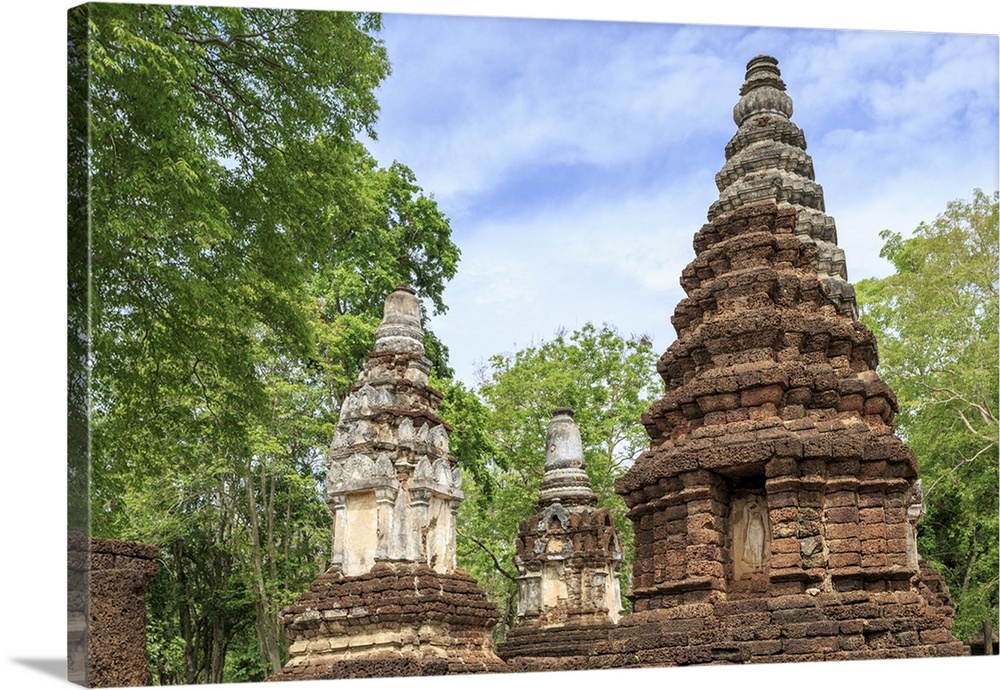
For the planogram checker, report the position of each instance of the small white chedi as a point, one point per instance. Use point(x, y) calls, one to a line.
point(393, 602)
point(392, 485)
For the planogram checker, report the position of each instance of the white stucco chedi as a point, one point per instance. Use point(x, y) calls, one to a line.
point(392, 485)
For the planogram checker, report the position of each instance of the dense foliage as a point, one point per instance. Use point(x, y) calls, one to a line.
point(241, 241)
point(936, 323)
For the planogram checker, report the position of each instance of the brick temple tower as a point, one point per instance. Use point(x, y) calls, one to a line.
point(775, 510)
point(568, 555)
point(393, 602)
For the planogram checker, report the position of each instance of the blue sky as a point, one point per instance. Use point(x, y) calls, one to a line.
point(576, 158)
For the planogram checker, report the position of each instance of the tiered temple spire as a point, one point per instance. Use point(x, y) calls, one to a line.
point(393, 603)
point(392, 484)
point(568, 553)
point(766, 160)
point(774, 482)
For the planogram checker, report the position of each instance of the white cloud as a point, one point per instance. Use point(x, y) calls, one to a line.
point(561, 93)
point(593, 261)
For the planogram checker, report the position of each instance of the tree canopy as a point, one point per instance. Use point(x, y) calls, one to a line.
point(935, 319)
point(239, 240)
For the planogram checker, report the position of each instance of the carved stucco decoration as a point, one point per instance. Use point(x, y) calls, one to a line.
point(392, 484)
point(750, 535)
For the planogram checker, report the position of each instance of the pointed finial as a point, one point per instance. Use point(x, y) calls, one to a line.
point(766, 160)
point(763, 91)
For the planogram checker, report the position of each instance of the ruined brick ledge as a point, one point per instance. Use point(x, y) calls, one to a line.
point(829, 626)
point(399, 619)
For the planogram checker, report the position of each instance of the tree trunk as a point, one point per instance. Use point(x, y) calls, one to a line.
point(184, 612)
point(267, 637)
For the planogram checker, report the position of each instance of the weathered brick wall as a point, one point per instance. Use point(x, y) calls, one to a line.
point(569, 647)
point(107, 611)
point(400, 619)
point(828, 626)
point(77, 583)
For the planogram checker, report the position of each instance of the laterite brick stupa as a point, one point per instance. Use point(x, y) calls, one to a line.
point(393, 602)
point(775, 511)
point(569, 558)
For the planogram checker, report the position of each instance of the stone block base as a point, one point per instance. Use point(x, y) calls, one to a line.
point(398, 619)
point(829, 626)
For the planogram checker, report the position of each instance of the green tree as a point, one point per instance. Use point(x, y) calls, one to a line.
point(936, 321)
point(609, 381)
point(216, 141)
point(240, 241)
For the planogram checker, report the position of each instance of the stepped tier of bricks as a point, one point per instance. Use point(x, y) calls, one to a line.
point(568, 555)
point(106, 584)
point(393, 602)
point(827, 626)
point(399, 619)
